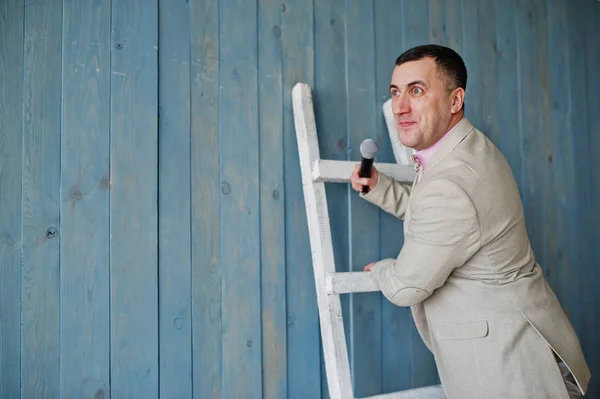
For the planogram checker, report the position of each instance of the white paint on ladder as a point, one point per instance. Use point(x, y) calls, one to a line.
point(339, 171)
point(330, 310)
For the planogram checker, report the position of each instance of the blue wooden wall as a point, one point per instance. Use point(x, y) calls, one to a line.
point(153, 239)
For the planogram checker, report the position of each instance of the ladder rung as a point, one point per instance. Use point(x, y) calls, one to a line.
point(340, 171)
point(349, 282)
point(431, 392)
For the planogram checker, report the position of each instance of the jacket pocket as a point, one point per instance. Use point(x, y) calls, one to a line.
point(462, 330)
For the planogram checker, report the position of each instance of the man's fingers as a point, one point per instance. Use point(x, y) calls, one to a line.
point(368, 267)
point(359, 182)
point(355, 178)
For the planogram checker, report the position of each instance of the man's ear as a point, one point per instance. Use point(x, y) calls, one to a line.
point(458, 99)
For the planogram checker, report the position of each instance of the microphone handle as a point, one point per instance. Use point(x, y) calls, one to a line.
point(365, 171)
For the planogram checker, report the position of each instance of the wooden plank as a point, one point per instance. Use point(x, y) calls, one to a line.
point(453, 25)
point(272, 201)
point(542, 144)
point(362, 113)
point(40, 354)
point(573, 145)
point(437, 27)
point(303, 345)
point(415, 23)
point(133, 200)
point(174, 230)
point(349, 282)
point(11, 128)
point(315, 199)
point(533, 103)
point(559, 157)
point(470, 53)
point(330, 108)
point(240, 208)
point(340, 171)
point(396, 321)
point(509, 82)
point(487, 53)
point(84, 206)
point(589, 217)
point(205, 201)
point(415, 26)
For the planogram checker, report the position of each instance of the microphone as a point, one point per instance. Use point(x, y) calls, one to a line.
point(368, 150)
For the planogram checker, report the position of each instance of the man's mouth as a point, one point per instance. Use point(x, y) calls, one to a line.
point(404, 124)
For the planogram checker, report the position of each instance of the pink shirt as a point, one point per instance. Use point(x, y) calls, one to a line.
point(423, 156)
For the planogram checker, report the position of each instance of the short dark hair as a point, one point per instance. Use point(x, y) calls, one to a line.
point(449, 63)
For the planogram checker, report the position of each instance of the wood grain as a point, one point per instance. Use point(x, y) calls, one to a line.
point(272, 201)
point(437, 27)
point(533, 77)
point(303, 344)
point(488, 68)
point(84, 203)
point(564, 50)
point(578, 157)
point(363, 221)
point(133, 200)
point(470, 53)
point(174, 196)
point(508, 130)
point(330, 108)
point(205, 203)
point(11, 128)
point(240, 208)
point(453, 25)
point(40, 354)
point(588, 182)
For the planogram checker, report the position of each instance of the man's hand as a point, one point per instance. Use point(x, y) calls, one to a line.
point(369, 266)
point(358, 182)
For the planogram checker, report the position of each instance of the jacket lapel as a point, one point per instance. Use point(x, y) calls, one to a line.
point(455, 136)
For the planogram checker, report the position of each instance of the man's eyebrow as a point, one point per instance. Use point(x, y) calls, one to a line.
point(417, 82)
point(413, 83)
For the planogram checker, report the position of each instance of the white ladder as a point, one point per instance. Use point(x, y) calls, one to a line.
point(330, 284)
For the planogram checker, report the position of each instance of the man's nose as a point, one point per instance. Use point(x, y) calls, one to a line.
point(400, 105)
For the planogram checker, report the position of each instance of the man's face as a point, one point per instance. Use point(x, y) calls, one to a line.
point(423, 108)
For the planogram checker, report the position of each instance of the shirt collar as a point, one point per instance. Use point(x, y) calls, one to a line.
point(422, 157)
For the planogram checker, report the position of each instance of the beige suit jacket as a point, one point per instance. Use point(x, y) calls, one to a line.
point(477, 295)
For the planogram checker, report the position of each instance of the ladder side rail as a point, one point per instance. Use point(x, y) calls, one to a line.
point(330, 311)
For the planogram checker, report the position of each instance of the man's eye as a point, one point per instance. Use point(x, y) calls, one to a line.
point(395, 92)
point(417, 90)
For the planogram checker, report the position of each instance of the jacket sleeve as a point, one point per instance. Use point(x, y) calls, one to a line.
point(390, 195)
point(442, 234)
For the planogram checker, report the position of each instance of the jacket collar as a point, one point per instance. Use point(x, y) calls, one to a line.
point(451, 140)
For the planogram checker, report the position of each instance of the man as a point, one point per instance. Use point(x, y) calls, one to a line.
point(477, 295)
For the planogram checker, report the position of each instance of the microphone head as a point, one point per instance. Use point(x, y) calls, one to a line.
point(369, 148)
